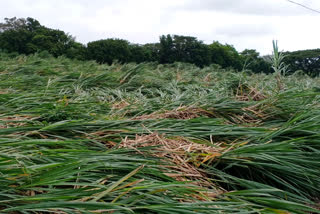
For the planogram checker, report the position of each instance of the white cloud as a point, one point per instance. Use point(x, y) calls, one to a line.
point(253, 7)
point(244, 23)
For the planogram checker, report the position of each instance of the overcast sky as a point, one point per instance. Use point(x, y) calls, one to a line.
point(249, 24)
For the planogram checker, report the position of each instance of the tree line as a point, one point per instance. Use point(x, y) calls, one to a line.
point(28, 36)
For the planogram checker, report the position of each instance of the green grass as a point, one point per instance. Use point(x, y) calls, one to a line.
point(63, 124)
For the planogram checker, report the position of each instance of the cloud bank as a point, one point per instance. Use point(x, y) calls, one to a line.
point(244, 23)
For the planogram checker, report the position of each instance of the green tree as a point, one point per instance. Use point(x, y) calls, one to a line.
point(76, 51)
point(183, 49)
point(306, 60)
point(225, 55)
point(56, 42)
point(108, 50)
point(189, 49)
point(13, 24)
point(138, 53)
point(27, 36)
point(16, 41)
point(152, 52)
point(252, 61)
point(166, 52)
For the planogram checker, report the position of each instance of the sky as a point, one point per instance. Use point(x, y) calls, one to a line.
point(245, 24)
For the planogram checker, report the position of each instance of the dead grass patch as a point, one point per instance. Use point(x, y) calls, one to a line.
point(317, 203)
point(183, 113)
point(120, 105)
point(208, 78)
point(251, 115)
point(247, 93)
point(15, 120)
point(184, 157)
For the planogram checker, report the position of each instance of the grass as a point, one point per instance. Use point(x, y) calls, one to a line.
point(78, 137)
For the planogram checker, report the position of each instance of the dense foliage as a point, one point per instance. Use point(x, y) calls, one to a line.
point(109, 50)
point(28, 36)
point(307, 61)
point(254, 62)
point(82, 137)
